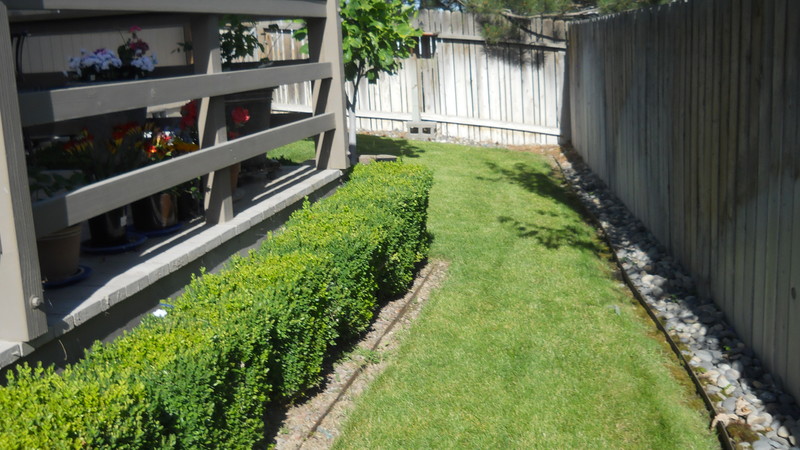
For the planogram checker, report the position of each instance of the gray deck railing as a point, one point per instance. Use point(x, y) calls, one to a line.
point(21, 318)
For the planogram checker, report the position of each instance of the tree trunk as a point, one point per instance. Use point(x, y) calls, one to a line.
point(351, 132)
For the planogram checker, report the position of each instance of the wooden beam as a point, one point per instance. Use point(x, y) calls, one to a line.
point(64, 104)
point(556, 46)
point(325, 45)
point(428, 117)
point(31, 22)
point(274, 8)
point(58, 212)
point(20, 279)
point(211, 122)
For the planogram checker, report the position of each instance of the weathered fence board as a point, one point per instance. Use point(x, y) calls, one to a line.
point(689, 111)
point(467, 87)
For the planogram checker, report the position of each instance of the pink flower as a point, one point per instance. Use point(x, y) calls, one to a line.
point(135, 29)
point(240, 116)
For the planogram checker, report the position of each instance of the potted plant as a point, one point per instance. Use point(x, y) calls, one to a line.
point(238, 40)
point(103, 64)
point(100, 159)
point(159, 211)
point(51, 172)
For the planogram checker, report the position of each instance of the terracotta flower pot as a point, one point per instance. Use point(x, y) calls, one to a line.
point(59, 254)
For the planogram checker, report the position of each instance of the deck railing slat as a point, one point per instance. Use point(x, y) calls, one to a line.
point(59, 212)
point(42, 107)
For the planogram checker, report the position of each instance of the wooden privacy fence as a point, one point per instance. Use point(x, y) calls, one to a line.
point(509, 93)
point(689, 112)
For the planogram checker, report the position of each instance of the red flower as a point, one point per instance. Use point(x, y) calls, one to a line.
point(240, 116)
point(188, 114)
point(139, 45)
point(135, 29)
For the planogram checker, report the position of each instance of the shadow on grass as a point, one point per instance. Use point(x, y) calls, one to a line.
point(547, 185)
point(377, 145)
point(554, 238)
point(533, 180)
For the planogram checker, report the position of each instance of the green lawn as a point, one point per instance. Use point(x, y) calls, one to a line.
point(530, 342)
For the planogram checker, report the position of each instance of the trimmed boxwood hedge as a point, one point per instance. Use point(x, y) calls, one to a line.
point(257, 331)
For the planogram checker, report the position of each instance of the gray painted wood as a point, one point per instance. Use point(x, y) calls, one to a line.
point(274, 8)
point(64, 104)
point(19, 266)
point(74, 207)
point(689, 112)
point(211, 118)
point(325, 45)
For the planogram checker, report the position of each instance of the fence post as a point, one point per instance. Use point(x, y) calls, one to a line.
point(325, 45)
point(20, 280)
point(565, 121)
point(211, 116)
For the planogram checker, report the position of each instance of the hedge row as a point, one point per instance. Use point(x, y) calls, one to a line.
point(256, 331)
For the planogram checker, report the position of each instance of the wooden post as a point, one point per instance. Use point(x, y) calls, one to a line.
point(211, 116)
point(20, 280)
point(325, 45)
point(415, 91)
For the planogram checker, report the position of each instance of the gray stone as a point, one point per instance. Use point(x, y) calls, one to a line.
point(656, 292)
point(762, 444)
point(729, 404)
point(658, 280)
point(763, 419)
point(778, 442)
point(723, 382)
point(783, 431)
point(704, 355)
point(771, 434)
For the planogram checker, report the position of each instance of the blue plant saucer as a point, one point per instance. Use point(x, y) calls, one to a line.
point(157, 233)
point(83, 273)
point(134, 240)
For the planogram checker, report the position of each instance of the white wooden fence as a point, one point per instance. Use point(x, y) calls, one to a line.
point(505, 94)
point(689, 112)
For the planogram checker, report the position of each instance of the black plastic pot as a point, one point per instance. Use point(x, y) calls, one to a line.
point(155, 212)
point(109, 229)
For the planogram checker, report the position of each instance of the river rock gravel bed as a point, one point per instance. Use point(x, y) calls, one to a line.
point(743, 393)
